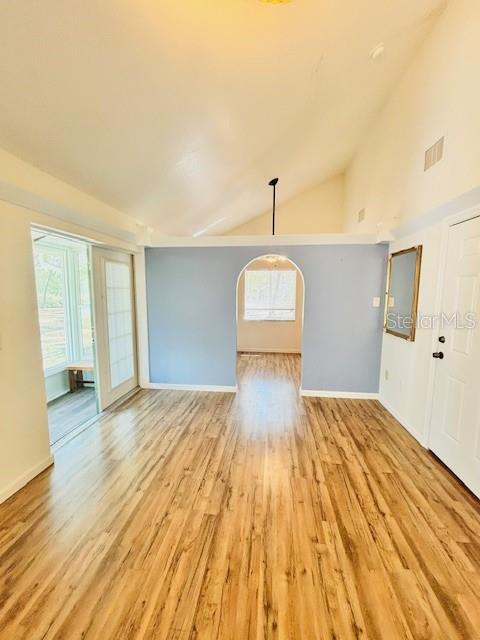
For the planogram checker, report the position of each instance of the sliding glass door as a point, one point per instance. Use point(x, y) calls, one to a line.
point(115, 323)
point(62, 272)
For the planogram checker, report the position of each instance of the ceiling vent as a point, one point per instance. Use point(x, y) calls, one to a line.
point(361, 216)
point(434, 154)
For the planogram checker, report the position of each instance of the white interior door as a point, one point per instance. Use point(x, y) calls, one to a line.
point(115, 324)
point(455, 427)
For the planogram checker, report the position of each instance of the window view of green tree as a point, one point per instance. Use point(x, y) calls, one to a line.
point(50, 266)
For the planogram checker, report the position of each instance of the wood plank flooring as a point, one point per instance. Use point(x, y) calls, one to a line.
point(70, 411)
point(184, 515)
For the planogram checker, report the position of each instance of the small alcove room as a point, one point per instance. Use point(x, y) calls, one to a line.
point(240, 320)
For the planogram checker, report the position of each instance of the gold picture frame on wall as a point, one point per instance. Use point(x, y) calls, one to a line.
point(403, 285)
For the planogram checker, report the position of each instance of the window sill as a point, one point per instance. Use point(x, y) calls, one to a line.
point(269, 321)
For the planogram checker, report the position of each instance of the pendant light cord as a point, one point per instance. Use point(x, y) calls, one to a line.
point(273, 183)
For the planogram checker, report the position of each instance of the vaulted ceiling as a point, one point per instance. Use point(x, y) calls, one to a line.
point(179, 113)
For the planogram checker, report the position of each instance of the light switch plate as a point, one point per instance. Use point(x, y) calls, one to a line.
point(376, 302)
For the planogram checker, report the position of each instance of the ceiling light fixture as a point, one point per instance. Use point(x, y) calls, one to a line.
point(273, 259)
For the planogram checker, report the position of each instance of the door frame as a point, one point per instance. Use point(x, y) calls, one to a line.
point(68, 246)
point(446, 224)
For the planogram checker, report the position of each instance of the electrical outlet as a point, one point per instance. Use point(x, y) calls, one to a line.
point(387, 374)
point(376, 302)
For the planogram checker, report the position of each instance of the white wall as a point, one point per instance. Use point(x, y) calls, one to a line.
point(439, 95)
point(24, 442)
point(406, 393)
point(316, 210)
point(27, 186)
point(56, 385)
point(273, 337)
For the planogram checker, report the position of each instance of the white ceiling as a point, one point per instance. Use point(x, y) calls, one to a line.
point(179, 113)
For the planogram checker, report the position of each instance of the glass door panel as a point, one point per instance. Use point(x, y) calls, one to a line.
point(114, 313)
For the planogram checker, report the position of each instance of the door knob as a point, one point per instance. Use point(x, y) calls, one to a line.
point(439, 355)
point(442, 339)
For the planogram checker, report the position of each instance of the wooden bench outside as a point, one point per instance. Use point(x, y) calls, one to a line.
point(75, 374)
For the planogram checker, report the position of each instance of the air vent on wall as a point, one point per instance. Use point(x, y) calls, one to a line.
point(434, 154)
point(361, 215)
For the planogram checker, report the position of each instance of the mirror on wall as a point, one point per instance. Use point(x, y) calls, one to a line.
point(402, 293)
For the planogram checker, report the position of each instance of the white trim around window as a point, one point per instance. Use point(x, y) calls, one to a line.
point(71, 251)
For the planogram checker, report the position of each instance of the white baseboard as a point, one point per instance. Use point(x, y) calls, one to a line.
point(352, 395)
point(163, 386)
point(296, 351)
point(24, 479)
point(405, 424)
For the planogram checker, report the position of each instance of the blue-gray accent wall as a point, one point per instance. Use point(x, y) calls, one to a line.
point(191, 300)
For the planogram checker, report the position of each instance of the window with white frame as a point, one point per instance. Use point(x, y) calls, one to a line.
point(51, 275)
point(84, 307)
point(270, 294)
point(64, 306)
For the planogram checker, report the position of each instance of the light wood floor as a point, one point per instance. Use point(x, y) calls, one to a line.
point(70, 411)
point(188, 515)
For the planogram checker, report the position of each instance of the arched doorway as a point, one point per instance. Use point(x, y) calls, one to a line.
point(270, 311)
